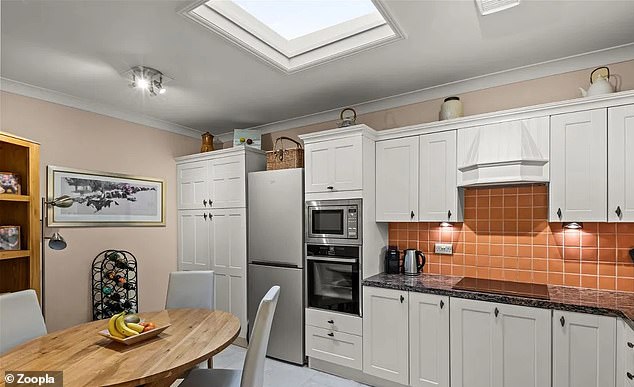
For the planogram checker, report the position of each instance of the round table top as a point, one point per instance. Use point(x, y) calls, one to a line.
point(88, 359)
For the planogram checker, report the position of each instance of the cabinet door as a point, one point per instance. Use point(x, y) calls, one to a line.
point(397, 180)
point(624, 355)
point(385, 334)
point(334, 165)
point(227, 186)
point(472, 343)
point(621, 164)
point(229, 260)
point(193, 240)
point(429, 340)
point(584, 348)
point(192, 185)
point(578, 164)
point(438, 191)
point(522, 339)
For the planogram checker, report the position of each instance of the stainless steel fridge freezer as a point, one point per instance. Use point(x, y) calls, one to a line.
point(275, 256)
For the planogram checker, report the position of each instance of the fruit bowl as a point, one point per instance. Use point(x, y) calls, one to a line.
point(137, 338)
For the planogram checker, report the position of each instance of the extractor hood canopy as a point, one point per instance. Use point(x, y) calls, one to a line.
point(511, 152)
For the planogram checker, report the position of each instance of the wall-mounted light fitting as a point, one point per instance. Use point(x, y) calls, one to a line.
point(446, 224)
point(573, 225)
point(147, 78)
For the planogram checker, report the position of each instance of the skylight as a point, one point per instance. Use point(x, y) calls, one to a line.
point(296, 34)
point(293, 19)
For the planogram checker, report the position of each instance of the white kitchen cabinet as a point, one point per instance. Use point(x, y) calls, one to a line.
point(193, 240)
point(397, 180)
point(193, 185)
point(227, 182)
point(584, 348)
point(522, 342)
point(429, 340)
point(385, 334)
point(227, 236)
point(334, 165)
point(499, 345)
point(340, 348)
point(438, 192)
point(624, 355)
point(578, 164)
point(621, 164)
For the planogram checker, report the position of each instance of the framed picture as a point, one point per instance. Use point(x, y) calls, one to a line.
point(9, 237)
point(248, 137)
point(103, 199)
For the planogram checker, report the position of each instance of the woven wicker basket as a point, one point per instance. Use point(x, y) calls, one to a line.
point(285, 158)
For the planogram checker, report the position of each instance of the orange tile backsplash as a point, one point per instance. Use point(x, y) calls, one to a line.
point(506, 235)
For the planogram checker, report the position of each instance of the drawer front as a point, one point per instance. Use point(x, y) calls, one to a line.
point(336, 322)
point(335, 347)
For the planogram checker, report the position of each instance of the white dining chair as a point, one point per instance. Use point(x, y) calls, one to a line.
point(190, 289)
point(252, 374)
point(21, 319)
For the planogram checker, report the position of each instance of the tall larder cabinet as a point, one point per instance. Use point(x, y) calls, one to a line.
point(212, 225)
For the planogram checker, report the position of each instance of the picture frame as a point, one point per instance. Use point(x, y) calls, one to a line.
point(10, 238)
point(104, 199)
point(247, 137)
point(10, 183)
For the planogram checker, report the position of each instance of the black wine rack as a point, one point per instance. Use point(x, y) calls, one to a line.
point(114, 284)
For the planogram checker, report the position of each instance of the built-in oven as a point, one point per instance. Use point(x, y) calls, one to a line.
point(333, 222)
point(333, 278)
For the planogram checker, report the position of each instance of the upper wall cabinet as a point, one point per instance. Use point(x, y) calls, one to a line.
point(578, 179)
point(397, 180)
point(438, 196)
point(504, 153)
point(193, 185)
point(334, 165)
point(621, 164)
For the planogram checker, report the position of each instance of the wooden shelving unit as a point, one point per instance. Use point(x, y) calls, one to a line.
point(20, 269)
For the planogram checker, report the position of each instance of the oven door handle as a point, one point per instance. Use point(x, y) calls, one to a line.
point(326, 258)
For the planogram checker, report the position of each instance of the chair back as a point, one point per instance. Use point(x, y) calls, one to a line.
point(253, 370)
point(21, 319)
point(190, 289)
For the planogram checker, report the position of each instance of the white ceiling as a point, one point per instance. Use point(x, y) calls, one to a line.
point(80, 48)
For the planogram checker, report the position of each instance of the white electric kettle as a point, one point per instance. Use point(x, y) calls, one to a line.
point(599, 84)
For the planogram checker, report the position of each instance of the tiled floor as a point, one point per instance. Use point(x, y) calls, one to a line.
point(280, 374)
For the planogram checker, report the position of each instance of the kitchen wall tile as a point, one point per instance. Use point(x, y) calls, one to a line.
point(506, 235)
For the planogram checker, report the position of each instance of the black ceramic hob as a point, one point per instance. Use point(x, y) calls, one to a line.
point(510, 288)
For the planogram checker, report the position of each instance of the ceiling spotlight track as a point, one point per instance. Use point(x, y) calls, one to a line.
point(147, 78)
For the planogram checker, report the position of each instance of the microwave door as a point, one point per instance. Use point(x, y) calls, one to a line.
point(327, 222)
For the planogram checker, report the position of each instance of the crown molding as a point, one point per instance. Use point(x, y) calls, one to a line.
point(27, 90)
point(553, 67)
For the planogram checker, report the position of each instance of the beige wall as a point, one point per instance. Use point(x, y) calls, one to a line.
point(542, 90)
point(74, 138)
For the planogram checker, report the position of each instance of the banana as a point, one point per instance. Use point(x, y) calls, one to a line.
point(135, 327)
point(112, 327)
point(122, 328)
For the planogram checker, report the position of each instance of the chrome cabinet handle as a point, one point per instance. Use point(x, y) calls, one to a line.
point(331, 321)
point(331, 334)
point(562, 320)
point(497, 311)
point(442, 304)
point(204, 203)
point(559, 213)
point(402, 299)
point(618, 211)
point(205, 216)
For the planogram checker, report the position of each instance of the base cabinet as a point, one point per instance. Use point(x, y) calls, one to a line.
point(497, 345)
point(584, 349)
point(428, 340)
point(385, 334)
point(624, 355)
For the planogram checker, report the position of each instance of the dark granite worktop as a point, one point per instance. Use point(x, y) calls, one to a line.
point(619, 304)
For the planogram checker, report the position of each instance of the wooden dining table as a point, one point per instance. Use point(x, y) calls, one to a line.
point(88, 359)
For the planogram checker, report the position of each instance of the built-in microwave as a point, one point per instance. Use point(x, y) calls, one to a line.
point(334, 221)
